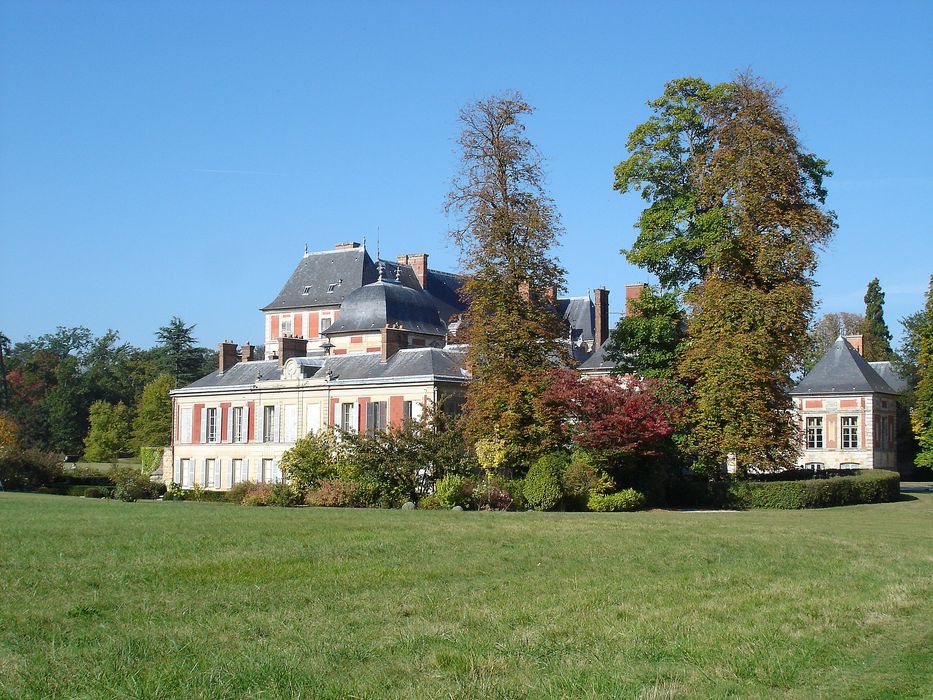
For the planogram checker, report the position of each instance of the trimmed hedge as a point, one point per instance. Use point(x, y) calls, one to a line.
point(868, 486)
point(621, 501)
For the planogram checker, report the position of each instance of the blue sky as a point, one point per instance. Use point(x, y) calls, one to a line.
point(173, 158)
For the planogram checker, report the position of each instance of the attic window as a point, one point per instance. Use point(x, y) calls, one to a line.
point(306, 291)
point(331, 288)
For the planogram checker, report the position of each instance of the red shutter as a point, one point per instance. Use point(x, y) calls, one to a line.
point(297, 328)
point(224, 410)
point(333, 412)
point(363, 403)
point(395, 410)
point(313, 325)
point(196, 423)
point(275, 326)
point(251, 423)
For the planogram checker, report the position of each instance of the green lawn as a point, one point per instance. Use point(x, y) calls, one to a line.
point(157, 600)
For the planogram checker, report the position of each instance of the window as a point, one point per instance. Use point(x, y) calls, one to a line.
point(236, 470)
point(325, 322)
point(187, 474)
point(375, 416)
point(285, 325)
point(815, 433)
point(210, 472)
point(406, 410)
point(306, 291)
point(268, 423)
point(237, 420)
point(814, 466)
point(331, 288)
point(849, 432)
point(346, 416)
point(265, 474)
point(212, 425)
point(185, 425)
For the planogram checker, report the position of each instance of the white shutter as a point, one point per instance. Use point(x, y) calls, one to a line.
point(291, 423)
point(176, 472)
point(277, 418)
point(232, 472)
point(186, 425)
point(244, 475)
point(260, 417)
point(229, 423)
point(244, 424)
point(312, 418)
point(203, 437)
point(276, 472)
point(217, 472)
point(416, 410)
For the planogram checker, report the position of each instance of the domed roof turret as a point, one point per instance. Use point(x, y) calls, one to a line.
point(387, 303)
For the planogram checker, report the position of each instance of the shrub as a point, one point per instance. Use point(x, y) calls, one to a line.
point(868, 486)
point(257, 495)
point(150, 458)
point(236, 492)
point(492, 493)
point(174, 492)
point(516, 488)
point(335, 493)
point(429, 502)
point(625, 500)
point(22, 470)
point(542, 486)
point(283, 495)
point(97, 492)
point(454, 490)
point(130, 484)
point(580, 479)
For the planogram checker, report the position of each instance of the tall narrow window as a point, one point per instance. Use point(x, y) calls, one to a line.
point(285, 325)
point(815, 433)
point(346, 416)
point(187, 474)
point(406, 410)
point(849, 432)
point(212, 425)
point(237, 421)
point(268, 423)
point(265, 474)
point(325, 322)
point(236, 469)
point(375, 416)
point(210, 469)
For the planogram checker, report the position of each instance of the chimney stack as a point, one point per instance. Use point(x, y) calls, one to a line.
point(601, 304)
point(349, 245)
point(856, 342)
point(393, 340)
point(226, 355)
point(247, 352)
point(289, 347)
point(632, 292)
point(419, 265)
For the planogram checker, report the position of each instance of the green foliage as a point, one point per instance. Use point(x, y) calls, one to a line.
point(542, 487)
point(23, 470)
point(429, 502)
point(150, 458)
point(236, 492)
point(177, 354)
point(869, 486)
point(494, 493)
point(313, 459)
point(109, 435)
point(626, 500)
point(876, 338)
point(454, 490)
point(130, 484)
point(648, 340)
point(153, 423)
point(825, 331)
point(581, 479)
point(337, 493)
point(174, 492)
point(921, 419)
point(507, 230)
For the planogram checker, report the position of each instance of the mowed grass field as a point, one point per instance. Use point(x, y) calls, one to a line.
point(190, 600)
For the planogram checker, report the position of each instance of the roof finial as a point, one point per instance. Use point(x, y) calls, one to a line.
point(398, 273)
point(306, 249)
point(378, 245)
point(380, 266)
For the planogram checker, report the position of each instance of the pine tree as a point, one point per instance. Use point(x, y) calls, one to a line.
point(876, 338)
point(507, 230)
point(179, 356)
point(922, 412)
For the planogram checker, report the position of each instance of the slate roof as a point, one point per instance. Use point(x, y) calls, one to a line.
point(580, 313)
point(410, 362)
point(346, 270)
point(387, 303)
point(241, 374)
point(598, 362)
point(842, 371)
point(889, 374)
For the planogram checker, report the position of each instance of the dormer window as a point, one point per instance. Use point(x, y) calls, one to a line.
point(331, 288)
point(306, 291)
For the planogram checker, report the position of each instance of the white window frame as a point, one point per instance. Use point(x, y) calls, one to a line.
point(210, 471)
point(285, 325)
point(348, 410)
point(265, 470)
point(210, 414)
point(236, 469)
point(268, 423)
point(849, 428)
point(814, 434)
point(187, 473)
point(324, 322)
point(236, 424)
point(186, 414)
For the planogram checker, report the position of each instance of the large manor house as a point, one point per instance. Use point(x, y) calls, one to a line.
point(361, 345)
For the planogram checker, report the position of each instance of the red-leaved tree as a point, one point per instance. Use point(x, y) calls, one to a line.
point(612, 417)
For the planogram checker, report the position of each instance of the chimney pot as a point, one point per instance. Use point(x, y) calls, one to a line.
point(856, 342)
point(601, 311)
point(226, 356)
point(349, 245)
point(290, 347)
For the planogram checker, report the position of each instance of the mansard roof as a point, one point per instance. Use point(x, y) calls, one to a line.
point(842, 370)
point(580, 313)
point(447, 363)
point(374, 306)
point(598, 362)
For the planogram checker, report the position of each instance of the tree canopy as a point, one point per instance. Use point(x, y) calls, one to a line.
point(876, 338)
point(922, 412)
point(507, 228)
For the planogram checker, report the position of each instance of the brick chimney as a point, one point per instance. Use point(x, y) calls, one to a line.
point(393, 340)
point(856, 342)
point(247, 353)
point(632, 292)
point(289, 347)
point(226, 355)
point(601, 302)
point(419, 265)
point(349, 245)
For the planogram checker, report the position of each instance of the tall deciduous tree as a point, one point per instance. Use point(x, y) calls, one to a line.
point(152, 426)
point(648, 340)
point(109, 434)
point(735, 215)
point(922, 411)
point(507, 230)
point(876, 338)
